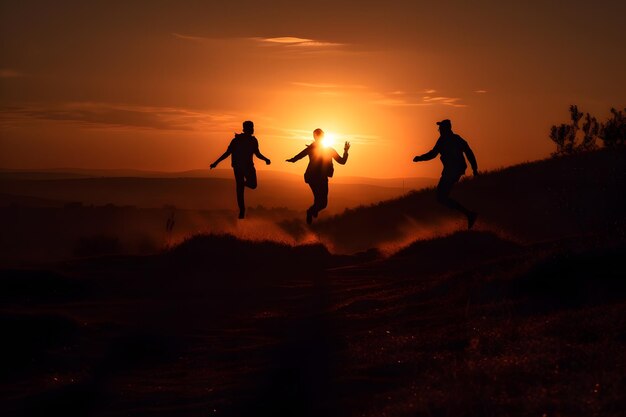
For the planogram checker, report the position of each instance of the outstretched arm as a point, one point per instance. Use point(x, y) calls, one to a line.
point(471, 158)
point(342, 159)
point(428, 155)
point(261, 157)
point(221, 158)
point(301, 155)
point(258, 153)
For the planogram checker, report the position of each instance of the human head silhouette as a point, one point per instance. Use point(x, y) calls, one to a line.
point(445, 126)
point(248, 127)
point(318, 134)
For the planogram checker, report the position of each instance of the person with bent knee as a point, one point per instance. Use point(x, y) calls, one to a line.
point(453, 150)
point(241, 150)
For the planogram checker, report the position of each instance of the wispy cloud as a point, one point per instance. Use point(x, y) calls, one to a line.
point(395, 98)
point(403, 98)
point(480, 91)
point(120, 116)
point(295, 41)
point(447, 101)
point(190, 37)
point(287, 40)
point(281, 41)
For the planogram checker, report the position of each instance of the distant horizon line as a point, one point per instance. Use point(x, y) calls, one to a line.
point(70, 170)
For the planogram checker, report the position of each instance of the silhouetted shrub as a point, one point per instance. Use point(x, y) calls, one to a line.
point(613, 132)
point(565, 136)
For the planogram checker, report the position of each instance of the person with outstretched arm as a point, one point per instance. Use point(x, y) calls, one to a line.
point(318, 171)
point(241, 150)
point(453, 150)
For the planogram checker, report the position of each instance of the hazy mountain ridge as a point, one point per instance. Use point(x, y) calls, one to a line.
point(68, 173)
point(194, 189)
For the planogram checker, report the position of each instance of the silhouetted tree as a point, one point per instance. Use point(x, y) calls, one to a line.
point(591, 128)
point(565, 136)
point(613, 132)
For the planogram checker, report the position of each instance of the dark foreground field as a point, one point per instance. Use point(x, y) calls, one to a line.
point(502, 329)
point(482, 323)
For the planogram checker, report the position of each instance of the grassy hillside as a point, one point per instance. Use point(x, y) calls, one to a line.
point(578, 195)
point(466, 325)
point(525, 317)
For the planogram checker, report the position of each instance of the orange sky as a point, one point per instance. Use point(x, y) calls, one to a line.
point(162, 85)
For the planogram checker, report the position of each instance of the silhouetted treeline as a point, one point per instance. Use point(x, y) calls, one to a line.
point(568, 139)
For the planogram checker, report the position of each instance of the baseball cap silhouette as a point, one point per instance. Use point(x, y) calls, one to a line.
point(445, 123)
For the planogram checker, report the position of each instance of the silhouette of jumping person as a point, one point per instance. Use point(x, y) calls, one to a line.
point(318, 171)
point(451, 147)
point(241, 150)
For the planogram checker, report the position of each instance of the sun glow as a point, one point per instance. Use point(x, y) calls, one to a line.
point(329, 140)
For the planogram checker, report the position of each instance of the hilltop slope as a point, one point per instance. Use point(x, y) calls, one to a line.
point(548, 199)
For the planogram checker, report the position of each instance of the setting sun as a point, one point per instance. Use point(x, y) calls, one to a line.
point(329, 140)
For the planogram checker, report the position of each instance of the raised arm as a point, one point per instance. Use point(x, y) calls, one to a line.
point(428, 155)
point(301, 155)
point(221, 158)
point(471, 158)
point(342, 159)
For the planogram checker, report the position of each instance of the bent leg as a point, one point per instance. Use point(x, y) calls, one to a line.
point(444, 188)
point(312, 209)
point(321, 197)
point(251, 178)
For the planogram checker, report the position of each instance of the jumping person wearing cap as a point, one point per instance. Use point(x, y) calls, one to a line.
point(241, 150)
point(318, 171)
point(451, 147)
